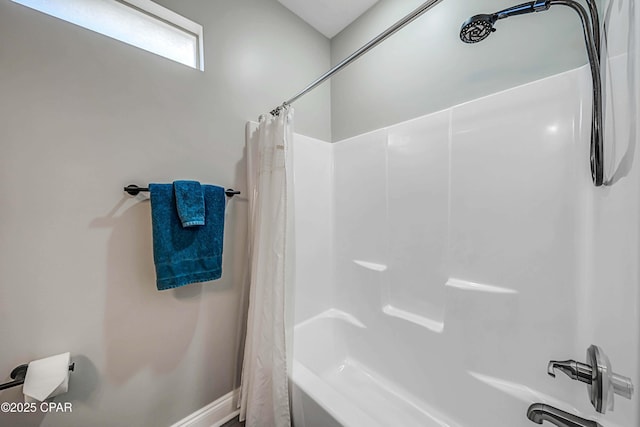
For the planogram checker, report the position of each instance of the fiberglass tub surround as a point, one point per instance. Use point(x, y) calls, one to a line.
point(457, 267)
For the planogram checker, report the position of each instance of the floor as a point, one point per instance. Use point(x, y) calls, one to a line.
point(234, 423)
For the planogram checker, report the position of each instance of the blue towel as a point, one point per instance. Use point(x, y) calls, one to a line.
point(186, 255)
point(189, 202)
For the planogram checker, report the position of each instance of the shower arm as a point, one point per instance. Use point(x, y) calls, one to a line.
point(593, 52)
point(525, 8)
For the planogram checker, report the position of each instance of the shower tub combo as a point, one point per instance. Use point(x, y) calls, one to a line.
point(445, 261)
point(450, 265)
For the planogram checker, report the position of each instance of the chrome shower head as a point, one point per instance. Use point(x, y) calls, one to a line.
point(479, 27)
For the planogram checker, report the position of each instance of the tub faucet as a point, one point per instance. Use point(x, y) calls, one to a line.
point(539, 412)
point(601, 381)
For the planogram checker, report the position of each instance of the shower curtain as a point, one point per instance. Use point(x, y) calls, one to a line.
point(264, 400)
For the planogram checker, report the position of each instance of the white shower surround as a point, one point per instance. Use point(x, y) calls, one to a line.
point(442, 262)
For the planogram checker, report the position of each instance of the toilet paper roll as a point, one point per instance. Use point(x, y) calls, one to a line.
point(47, 378)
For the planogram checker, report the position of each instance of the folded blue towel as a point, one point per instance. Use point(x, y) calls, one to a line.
point(186, 255)
point(189, 202)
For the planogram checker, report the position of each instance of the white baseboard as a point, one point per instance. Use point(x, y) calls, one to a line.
point(214, 414)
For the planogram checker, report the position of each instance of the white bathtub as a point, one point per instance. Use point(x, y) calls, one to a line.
point(337, 389)
point(333, 385)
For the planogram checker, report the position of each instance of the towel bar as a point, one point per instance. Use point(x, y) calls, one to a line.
point(134, 190)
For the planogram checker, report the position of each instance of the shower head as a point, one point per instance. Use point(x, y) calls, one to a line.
point(479, 27)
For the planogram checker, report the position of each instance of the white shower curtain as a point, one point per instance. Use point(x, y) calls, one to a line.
point(264, 398)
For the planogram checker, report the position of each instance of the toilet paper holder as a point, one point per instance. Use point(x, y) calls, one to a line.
point(19, 373)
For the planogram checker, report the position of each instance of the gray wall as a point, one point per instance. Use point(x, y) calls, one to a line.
point(425, 68)
point(81, 116)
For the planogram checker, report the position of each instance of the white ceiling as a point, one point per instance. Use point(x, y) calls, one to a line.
point(328, 16)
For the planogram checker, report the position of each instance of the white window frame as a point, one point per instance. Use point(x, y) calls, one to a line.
point(151, 10)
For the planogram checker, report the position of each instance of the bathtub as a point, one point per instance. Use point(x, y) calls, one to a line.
point(335, 384)
point(336, 389)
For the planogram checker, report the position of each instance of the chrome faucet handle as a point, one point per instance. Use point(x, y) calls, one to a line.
point(602, 382)
point(574, 370)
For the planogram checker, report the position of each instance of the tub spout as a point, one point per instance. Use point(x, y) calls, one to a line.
point(539, 412)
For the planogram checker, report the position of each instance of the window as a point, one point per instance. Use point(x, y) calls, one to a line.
point(140, 23)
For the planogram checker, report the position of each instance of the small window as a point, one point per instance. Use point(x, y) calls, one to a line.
point(140, 23)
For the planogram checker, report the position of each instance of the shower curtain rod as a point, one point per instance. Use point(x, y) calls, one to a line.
point(357, 54)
